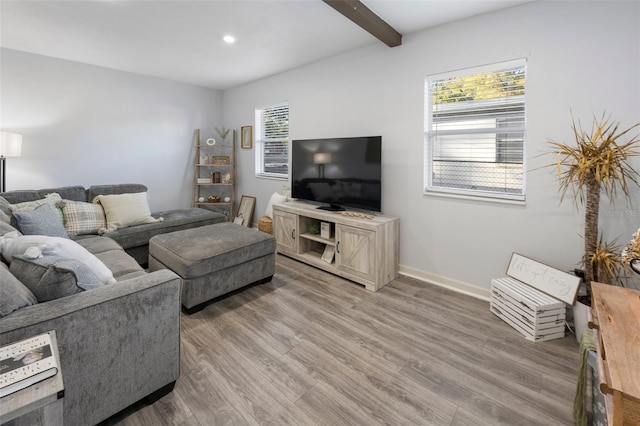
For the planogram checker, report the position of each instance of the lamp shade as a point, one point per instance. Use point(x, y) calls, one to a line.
point(321, 158)
point(10, 144)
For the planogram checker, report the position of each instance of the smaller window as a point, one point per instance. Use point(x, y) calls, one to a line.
point(272, 141)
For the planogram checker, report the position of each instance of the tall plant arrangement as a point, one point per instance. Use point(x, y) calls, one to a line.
point(598, 162)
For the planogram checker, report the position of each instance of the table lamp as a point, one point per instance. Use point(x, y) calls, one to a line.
point(10, 146)
point(321, 158)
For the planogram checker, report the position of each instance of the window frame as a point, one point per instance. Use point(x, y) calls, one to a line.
point(429, 187)
point(261, 142)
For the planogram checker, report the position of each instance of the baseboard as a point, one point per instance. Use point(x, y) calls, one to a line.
point(451, 284)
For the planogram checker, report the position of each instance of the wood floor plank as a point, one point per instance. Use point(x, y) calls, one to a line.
point(310, 348)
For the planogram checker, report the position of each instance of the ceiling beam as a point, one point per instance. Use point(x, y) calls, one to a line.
point(369, 21)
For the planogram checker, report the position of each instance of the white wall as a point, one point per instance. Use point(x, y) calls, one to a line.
point(581, 55)
point(86, 125)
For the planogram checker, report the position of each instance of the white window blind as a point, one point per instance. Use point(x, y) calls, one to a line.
point(475, 131)
point(272, 142)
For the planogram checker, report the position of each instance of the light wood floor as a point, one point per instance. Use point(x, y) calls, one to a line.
point(312, 349)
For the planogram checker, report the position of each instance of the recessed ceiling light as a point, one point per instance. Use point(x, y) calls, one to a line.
point(229, 39)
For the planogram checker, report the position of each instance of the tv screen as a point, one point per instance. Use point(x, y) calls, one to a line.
point(339, 173)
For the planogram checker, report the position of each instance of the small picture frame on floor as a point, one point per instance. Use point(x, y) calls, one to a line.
point(245, 210)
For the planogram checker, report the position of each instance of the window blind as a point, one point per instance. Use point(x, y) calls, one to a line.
point(273, 140)
point(474, 132)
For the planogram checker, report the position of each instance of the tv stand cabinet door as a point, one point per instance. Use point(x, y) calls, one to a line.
point(284, 229)
point(355, 252)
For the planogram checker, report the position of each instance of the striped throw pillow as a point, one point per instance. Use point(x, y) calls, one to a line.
point(82, 218)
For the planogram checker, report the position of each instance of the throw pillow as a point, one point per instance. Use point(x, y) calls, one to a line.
point(51, 199)
point(82, 218)
point(5, 210)
point(5, 228)
point(13, 294)
point(123, 210)
point(40, 221)
point(15, 244)
point(52, 277)
point(35, 246)
point(275, 199)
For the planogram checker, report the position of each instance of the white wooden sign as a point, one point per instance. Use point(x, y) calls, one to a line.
point(556, 283)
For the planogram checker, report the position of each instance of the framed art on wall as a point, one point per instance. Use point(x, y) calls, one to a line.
point(246, 141)
point(245, 210)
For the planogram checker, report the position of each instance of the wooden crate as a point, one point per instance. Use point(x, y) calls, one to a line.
point(536, 315)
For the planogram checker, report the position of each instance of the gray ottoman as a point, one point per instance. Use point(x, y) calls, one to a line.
point(214, 260)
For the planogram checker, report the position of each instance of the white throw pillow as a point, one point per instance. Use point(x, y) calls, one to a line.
point(123, 210)
point(34, 246)
point(275, 199)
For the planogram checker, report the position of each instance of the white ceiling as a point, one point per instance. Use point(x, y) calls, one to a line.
point(181, 40)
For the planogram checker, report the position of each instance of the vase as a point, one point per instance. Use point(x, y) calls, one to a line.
point(580, 318)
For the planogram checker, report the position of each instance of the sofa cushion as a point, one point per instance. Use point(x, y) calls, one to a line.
point(40, 221)
point(76, 193)
point(13, 294)
point(124, 210)
point(113, 256)
point(50, 199)
point(124, 188)
point(52, 277)
point(174, 220)
point(82, 218)
point(95, 244)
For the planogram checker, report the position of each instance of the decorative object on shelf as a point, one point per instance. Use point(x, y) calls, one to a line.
point(222, 133)
point(246, 133)
point(226, 179)
point(201, 200)
point(220, 160)
point(227, 199)
point(598, 162)
point(245, 210)
point(211, 141)
point(314, 228)
point(10, 146)
point(325, 230)
point(201, 180)
point(215, 177)
point(355, 214)
point(213, 199)
point(204, 159)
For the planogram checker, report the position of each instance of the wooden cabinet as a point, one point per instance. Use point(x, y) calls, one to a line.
point(284, 229)
point(616, 323)
point(214, 175)
point(357, 248)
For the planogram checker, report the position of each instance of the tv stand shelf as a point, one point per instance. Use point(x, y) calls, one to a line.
point(361, 249)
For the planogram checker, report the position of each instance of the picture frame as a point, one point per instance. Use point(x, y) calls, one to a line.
point(245, 210)
point(246, 139)
point(328, 254)
point(220, 160)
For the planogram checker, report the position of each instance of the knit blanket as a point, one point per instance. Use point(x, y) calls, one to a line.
point(580, 402)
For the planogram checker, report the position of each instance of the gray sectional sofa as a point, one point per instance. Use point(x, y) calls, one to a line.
point(118, 343)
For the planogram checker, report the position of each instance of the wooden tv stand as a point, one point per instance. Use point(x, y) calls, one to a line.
point(365, 250)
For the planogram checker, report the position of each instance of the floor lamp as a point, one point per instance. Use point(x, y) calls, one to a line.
point(10, 146)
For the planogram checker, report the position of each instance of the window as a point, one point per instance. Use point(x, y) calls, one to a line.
point(474, 132)
point(272, 141)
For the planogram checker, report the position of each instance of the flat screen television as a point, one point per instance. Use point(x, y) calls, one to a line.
point(339, 173)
